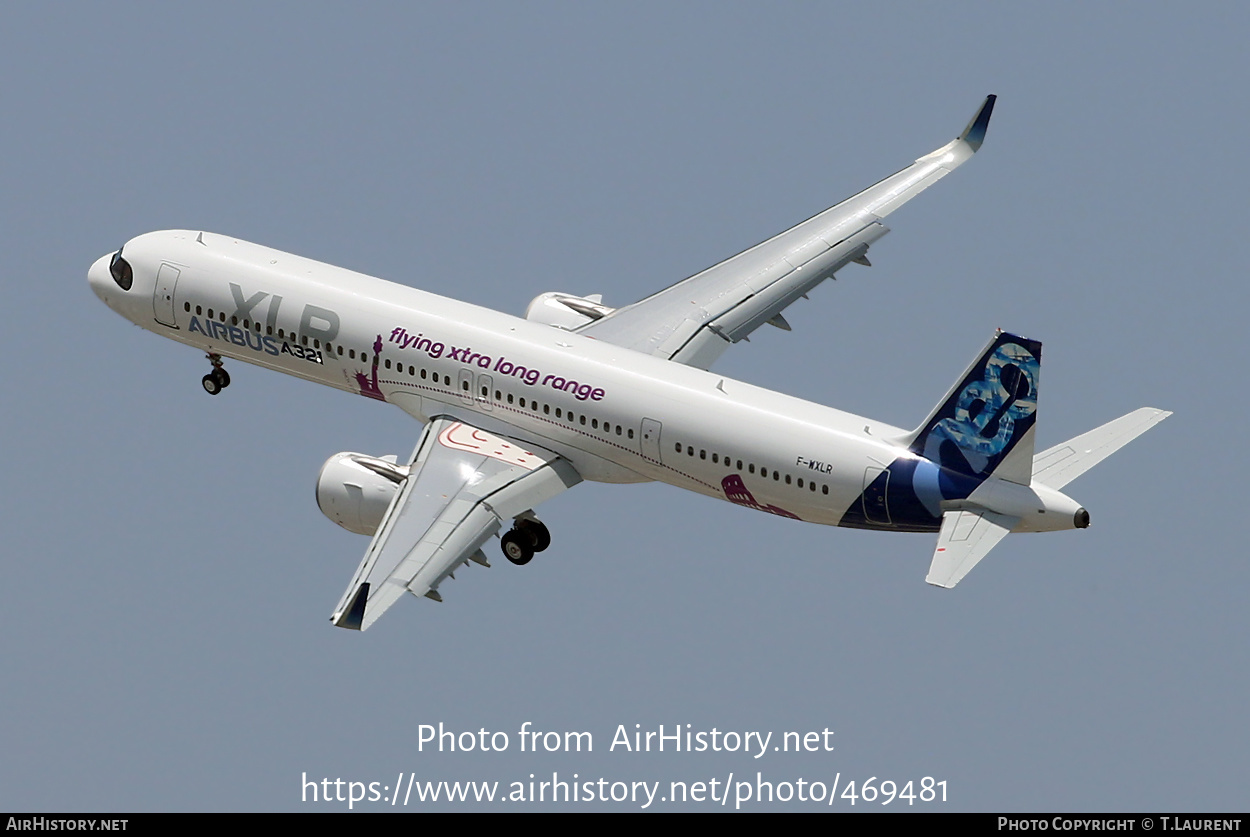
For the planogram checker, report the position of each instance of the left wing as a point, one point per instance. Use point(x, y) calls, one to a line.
point(463, 484)
point(694, 321)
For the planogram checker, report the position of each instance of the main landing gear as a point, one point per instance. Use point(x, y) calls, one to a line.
point(527, 536)
point(218, 379)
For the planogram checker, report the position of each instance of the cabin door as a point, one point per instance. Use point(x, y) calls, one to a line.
point(876, 495)
point(163, 298)
point(650, 433)
point(483, 393)
point(464, 385)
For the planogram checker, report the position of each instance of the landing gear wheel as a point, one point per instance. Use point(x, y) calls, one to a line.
point(536, 531)
point(516, 547)
point(218, 378)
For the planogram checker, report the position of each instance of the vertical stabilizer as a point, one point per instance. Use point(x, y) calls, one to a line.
point(984, 425)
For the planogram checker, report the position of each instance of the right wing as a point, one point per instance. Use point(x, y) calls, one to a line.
point(463, 484)
point(694, 321)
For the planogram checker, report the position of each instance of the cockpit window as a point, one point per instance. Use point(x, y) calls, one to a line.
point(122, 274)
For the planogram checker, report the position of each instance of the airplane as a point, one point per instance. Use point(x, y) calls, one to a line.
point(518, 410)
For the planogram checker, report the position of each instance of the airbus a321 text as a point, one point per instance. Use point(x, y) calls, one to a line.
point(518, 410)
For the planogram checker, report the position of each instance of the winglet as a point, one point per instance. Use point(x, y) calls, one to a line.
point(974, 134)
point(353, 617)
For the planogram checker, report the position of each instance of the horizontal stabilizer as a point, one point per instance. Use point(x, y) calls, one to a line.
point(1063, 463)
point(966, 537)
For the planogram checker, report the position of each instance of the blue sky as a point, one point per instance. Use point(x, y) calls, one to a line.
point(169, 576)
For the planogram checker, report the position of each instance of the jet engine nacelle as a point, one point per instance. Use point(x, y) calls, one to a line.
point(355, 490)
point(566, 311)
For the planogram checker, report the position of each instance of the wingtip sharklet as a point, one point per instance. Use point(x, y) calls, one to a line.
point(974, 134)
point(353, 616)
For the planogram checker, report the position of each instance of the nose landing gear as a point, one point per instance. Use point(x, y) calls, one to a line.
point(526, 537)
point(218, 379)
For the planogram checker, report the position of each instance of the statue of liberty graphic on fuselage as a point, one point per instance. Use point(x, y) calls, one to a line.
point(369, 383)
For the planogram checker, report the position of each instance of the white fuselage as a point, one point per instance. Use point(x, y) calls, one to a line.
point(617, 415)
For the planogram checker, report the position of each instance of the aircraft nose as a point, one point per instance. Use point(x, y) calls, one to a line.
point(98, 277)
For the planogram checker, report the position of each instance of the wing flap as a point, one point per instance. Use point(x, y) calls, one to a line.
point(792, 282)
point(464, 484)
